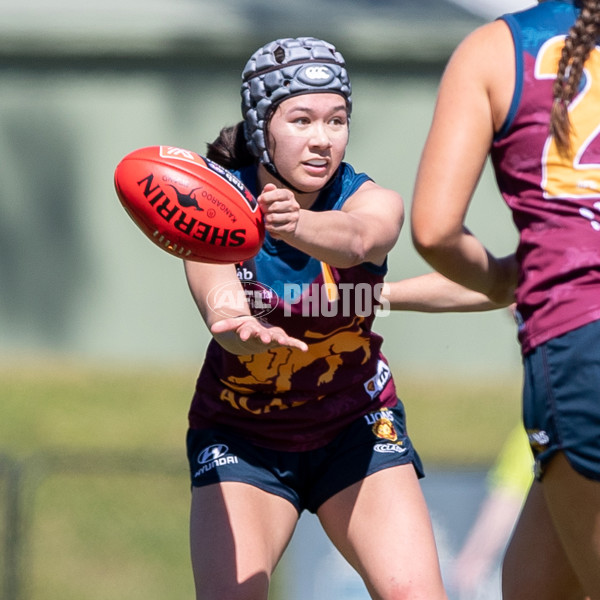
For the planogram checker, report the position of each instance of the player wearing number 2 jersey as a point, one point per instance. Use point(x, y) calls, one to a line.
point(526, 91)
point(555, 199)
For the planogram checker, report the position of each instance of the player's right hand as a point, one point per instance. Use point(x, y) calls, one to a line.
point(247, 335)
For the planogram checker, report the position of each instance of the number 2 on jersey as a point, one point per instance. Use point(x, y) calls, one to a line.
point(568, 176)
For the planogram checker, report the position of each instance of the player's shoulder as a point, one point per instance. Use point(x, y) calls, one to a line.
point(483, 64)
point(375, 198)
point(492, 41)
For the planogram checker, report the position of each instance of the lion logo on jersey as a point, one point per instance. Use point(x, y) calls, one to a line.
point(277, 366)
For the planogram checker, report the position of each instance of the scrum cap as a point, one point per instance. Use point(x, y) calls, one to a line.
point(284, 68)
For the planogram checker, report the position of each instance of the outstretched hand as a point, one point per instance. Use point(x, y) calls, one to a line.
point(248, 335)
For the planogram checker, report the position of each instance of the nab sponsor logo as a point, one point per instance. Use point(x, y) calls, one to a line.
point(213, 456)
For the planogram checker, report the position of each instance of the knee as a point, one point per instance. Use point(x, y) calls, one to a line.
point(411, 590)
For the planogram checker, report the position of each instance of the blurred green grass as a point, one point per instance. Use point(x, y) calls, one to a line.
point(453, 420)
point(106, 486)
point(460, 422)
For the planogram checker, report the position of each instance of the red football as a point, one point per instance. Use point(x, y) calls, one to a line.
point(189, 206)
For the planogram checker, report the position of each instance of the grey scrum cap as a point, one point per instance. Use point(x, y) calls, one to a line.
point(284, 68)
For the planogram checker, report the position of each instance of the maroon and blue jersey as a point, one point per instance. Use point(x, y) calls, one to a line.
point(284, 398)
point(555, 200)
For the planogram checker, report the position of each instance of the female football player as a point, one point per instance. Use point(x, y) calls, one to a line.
point(525, 89)
point(295, 407)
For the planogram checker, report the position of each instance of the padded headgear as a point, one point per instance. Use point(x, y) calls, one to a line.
point(284, 68)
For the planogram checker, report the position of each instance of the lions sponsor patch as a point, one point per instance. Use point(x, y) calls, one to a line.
point(384, 428)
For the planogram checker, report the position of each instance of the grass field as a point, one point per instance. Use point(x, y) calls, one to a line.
point(104, 478)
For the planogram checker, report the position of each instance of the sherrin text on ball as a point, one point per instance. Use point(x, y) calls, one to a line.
point(188, 205)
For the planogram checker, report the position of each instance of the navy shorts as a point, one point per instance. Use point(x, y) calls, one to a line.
point(374, 442)
point(561, 400)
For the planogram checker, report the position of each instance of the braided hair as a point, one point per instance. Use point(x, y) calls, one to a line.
point(580, 41)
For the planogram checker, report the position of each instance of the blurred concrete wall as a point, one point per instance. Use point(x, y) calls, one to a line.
point(78, 278)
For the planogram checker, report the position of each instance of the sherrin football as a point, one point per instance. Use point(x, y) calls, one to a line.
point(189, 206)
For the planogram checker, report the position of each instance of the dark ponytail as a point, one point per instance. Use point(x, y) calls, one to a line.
point(229, 149)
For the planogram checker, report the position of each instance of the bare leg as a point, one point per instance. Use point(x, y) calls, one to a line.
point(574, 504)
point(237, 535)
point(382, 527)
point(535, 565)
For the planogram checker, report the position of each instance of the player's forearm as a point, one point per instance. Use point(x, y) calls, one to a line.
point(216, 290)
point(341, 239)
point(435, 293)
point(462, 258)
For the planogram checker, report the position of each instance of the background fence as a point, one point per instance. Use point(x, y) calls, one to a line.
point(94, 525)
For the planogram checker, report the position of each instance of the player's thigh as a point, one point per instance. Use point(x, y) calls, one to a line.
point(535, 564)
point(574, 504)
point(382, 527)
point(237, 535)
